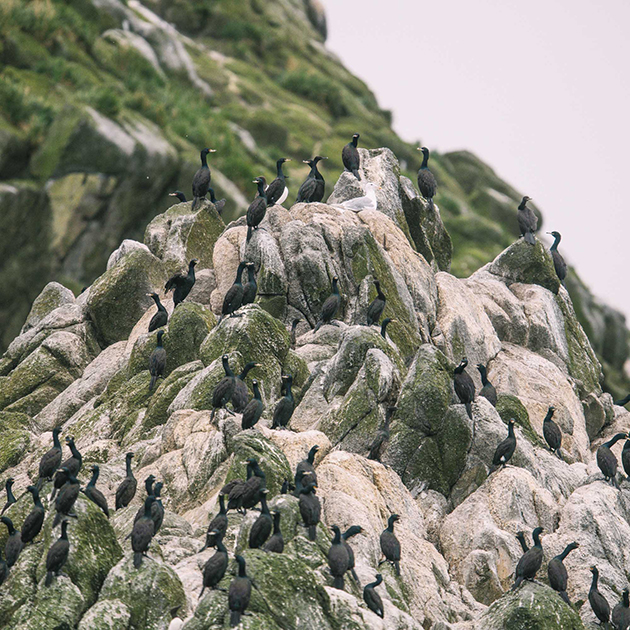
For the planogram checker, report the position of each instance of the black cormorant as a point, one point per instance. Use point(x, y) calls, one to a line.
point(219, 204)
point(142, 533)
point(621, 612)
point(234, 296)
point(94, 494)
point(245, 495)
point(625, 457)
point(277, 191)
point(157, 509)
point(390, 545)
point(310, 509)
point(254, 409)
point(375, 309)
point(338, 559)
point(382, 436)
point(285, 406)
point(313, 188)
point(161, 317)
point(179, 194)
point(464, 386)
point(386, 322)
point(598, 602)
point(372, 598)
point(148, 487)
point(520, 536)
point(4, 570)
point(157, 361)
point(250, 288)
point(10, 496)
point(558, 262)
point(72, 464)
point(276, 543)
point(51, 460)
point(261, 529)
point(487, 390)
point(201, 180)
point(218, 524)
point(307, 465)
point(239, 593)
point(557, 572)
point(57, 554)
point(551, 432)
point(33, 522)
point(530, 561)
point(257, 208)
point(126, 491)
point(222, 393)
point(216, 565)
point(66, 497)
point(606, 459)
point(506, 447)
point(623, 401)
point(349, 533)
point(293, 333)
point(350, 156)
point(14, 543)
point(330, 306)
point(240, 395)
point(182, 284)
point(426, 180)
point(527, 221)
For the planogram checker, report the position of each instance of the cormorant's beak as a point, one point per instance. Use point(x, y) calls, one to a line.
point(324, 158)
point(258, 365)
point(419, 149)
point(393, 321)
point(172, 195)
point(212, 150)
point(288, 160)
point(254, 181)
point(547, 232)
point(305, 161)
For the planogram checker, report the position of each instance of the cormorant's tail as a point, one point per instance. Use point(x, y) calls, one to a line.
point(319, 324)
point(338, 582)
point(194, 203)
point(153, 381)
point(235, 618)
point(431, 204)
point(517, 583)
point(57, 519)
point(530, 238)
point(137, 559)
point(355, 172)
point(203, 588)
point(565, 597)
point(469, 410)
point(203, 549)
point(49, 577)
point(249, 233)
point(312, 533)
point(53, 493)
point(355, 576)
point(39, 484)
point(559, 454)
point(397, 565)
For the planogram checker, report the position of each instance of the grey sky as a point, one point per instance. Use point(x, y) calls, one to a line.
point(539, 90)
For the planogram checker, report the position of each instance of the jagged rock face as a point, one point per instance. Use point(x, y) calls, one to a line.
point(82, 364)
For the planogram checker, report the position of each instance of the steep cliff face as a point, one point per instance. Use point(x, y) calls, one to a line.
point(81, 363)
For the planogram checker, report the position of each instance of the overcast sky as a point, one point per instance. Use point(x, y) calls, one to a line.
point(539, 90)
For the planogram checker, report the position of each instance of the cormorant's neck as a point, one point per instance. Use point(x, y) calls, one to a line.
point(147, 508)
point(56, 442)
point(128, 466)
point(261, 190)
point(383, 329)
point(218, 543)
point(257, 392)
point(484, 375)
point(522, 205)
point(213, 199)
point(616, 438)
point(390, 526)
point(279, 169)
point(276, 523)
point(379, 293)
point(337, 538)
point(73, 450)
point(287, 389)
point(36, 500)
point(556, 242)
point(258, 471)
point(425, 161)
point(191, 270)
point(251, 277)
point(222, 505)
point(241, 570)
point(148, 486)
point(355, 141)
point(537, 542)
point(159, 342)
point(567, 550)
point(548, 416)
point(263, 505)
point(92, 481)
point(157, 299)
point(594, 582)
point(311, 456)
point(335, 288)
point(204, 163)
point(227, 368)
point(239, 274)
point(626, 599)
point(250, 471)
point(510, 430)
point(64, 530)
point(243, 375)
point(460, 368)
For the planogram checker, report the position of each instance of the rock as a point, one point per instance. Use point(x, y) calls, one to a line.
point(109, 614)
point(52, 296)
point(15, 438)
point(126, 247)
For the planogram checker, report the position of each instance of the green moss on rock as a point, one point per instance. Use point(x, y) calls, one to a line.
point(509, 406)
point(15, 438)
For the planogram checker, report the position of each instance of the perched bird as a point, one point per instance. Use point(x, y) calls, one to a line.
point(350, 156)
point(313, 188)
point(338, 559)
point(390, 545)
point(349, 533)
point(10, 496)
point(506, 448)
point(157, 509)
point(598, 602)
point(310, 509)
point(285, 406)
point(372, 598)
point(307, 466)
point(382, 436)
point(386, 322)
point(253, 410)
point(57, 554)
point(239, 593)
point(365, 202)
point(623, 401)
point(126, 491)
point(276, 543)
point(222, 393)
point(293, 333)
point(216, 565)
point(14, 544)
point(426, 180)
point(606, 459)
point(257, 208)
point(261, 529)
point(557, 572)
point(625, 456)
point(182, 284)
point(94, 494)
point(530, 561)
point(218, 525)
point(464, 386)
point(72, 465)
point(179, 194)
point(65, 500)
point(234, 296)
point(558, 261)
point(246, 494)
point(4, 570)
point(330, 306)
point(240, 395)
point(620, 614)
point(161, 317)
point(219, 204)
point(250, 288)
point(527, 221)
point(487, 390)
point(148, 487)
point(32, 524)
point(376, 308)
point(201, 180)
point(277, 191)
point(157, 361)
point(50, 460)
point(520, 536)
point(142, 533)
point(551, 432)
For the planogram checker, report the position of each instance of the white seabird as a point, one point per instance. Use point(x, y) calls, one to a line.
point(368, 202)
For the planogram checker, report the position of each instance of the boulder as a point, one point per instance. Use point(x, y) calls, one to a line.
point(53, 295)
